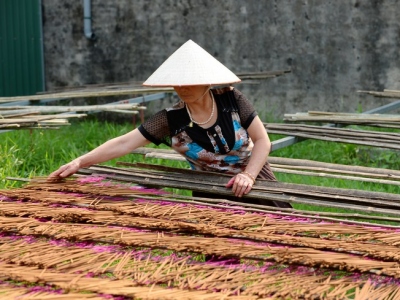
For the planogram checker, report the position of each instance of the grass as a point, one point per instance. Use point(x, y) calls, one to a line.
point(339, 153)
point(25, 154)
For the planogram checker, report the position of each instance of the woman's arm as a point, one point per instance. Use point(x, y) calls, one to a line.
point(261, 149)
point(113, 148)
point(242, 183)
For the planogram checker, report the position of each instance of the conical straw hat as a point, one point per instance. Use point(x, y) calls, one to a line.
point(191, 65)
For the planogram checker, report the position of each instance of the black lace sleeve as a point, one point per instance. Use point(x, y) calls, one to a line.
point(247, 113)
point(156, 128)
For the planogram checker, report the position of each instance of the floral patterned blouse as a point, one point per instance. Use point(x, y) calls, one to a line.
point(223, 147)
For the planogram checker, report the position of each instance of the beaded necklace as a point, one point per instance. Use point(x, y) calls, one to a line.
point(205, 122)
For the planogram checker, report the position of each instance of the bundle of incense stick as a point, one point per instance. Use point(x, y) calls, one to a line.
point(91, 238)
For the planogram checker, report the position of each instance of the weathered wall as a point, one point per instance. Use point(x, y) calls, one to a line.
point(333, 48)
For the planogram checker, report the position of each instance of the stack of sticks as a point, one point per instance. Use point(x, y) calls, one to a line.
point(389, 140)
point(89, 237)
point(360, 203)
point(32, 121)
point(301, 167)
point(121, 88)
point(44, 117)
point(28, 117)
point(89, 92)
point(376, 120)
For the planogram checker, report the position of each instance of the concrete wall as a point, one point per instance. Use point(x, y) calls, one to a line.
point(333, 48)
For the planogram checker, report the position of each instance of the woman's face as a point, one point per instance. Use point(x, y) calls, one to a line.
point(191, 93)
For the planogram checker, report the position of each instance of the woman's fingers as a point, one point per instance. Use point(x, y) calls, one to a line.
point(241, 185)
point(230, 182)
point(248, 189)
point(65, 170)
point(57, 172)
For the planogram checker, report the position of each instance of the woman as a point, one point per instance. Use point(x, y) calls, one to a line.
point(214, 129)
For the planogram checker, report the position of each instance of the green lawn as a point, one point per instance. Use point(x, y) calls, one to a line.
point(25, 153)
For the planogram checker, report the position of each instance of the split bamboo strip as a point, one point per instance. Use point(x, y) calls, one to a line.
point(128, 112)
point(290, 163)
point(391, 91)
point(37, 119)
point(261, 75)
point(380, 117)
point(209, 178)
point(12, 126)
point(122, 88)
point(4, 110)
point(19, 114)
point(326, 175)
point(354, 133)
point(385, 93)
point(46, 117)
point(380, 120)
point(360, 137)
point(38, 126)
point(87, 93)
point(335, 168)
point(94, 87)
point(32, 126)
point(289, 169)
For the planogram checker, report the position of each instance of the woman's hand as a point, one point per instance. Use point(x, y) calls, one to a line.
point(241, 184)
point(65, 170)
